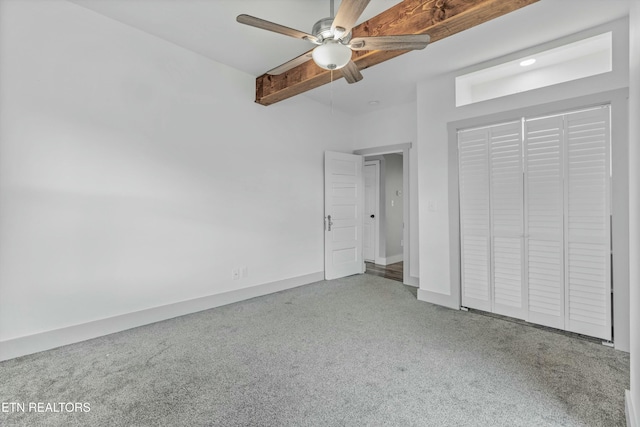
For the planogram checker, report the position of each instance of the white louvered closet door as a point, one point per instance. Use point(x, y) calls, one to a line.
point(544, 230)
point(505, 160)
point(474, 218)
point(535, 220)
point(587, 223)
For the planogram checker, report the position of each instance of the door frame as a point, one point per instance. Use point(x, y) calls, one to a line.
point(376, 204)
point(405, 149)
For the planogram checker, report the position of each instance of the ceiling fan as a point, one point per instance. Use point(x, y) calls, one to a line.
point(334, 40)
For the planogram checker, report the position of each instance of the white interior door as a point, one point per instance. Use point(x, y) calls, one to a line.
point(371, 217)
point(344, 208)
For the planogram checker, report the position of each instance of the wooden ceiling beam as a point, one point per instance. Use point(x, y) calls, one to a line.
point(438, 18)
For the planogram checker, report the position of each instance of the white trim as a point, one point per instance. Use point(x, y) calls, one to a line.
point(632, 419)
point(17, 347)
point(387, 149)
point(454, 300)
point(406, 213)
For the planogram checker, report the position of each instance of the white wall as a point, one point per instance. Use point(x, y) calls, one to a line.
point(436, 109)
point(136, 174)
point(389, 126)
point(634, 211)
point(393, 206)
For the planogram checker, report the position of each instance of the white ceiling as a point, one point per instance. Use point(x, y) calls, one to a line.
point(208, 27)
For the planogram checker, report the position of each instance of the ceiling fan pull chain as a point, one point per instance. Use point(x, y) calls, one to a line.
point(331, 91)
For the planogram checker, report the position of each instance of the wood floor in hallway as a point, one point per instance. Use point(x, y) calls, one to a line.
point(391, 271)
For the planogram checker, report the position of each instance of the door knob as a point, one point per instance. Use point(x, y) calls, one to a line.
point(373, 216)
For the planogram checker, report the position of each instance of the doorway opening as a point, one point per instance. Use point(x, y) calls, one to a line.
point(386, 231)
point(384, 216)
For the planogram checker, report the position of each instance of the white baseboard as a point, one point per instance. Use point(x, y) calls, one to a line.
point(413, 281)
point(632, 419)
point(22, 346)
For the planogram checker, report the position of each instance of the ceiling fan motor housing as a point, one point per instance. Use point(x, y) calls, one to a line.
point(322, 30)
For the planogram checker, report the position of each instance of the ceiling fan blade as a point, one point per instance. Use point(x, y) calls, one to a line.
point(404, 42)
point(351, 73)
point(348, 13)
point(276, 28)
point(290, 64)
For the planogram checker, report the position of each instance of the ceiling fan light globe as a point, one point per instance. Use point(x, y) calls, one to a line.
point(331, 55)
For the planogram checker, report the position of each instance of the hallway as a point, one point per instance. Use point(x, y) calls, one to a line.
point(391, 271)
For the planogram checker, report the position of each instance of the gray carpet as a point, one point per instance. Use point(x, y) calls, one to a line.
point(360, 351)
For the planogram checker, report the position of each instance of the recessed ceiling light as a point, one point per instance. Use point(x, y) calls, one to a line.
point(568, 61)
point(374, 102)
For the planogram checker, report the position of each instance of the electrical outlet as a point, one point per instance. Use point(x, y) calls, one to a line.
point(235, 274)
point(245, 271)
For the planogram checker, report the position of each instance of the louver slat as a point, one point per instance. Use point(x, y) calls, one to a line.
point(535, 220)
point(588, 288)
point(544, 206)
point(505, 160)
point(474, 218)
